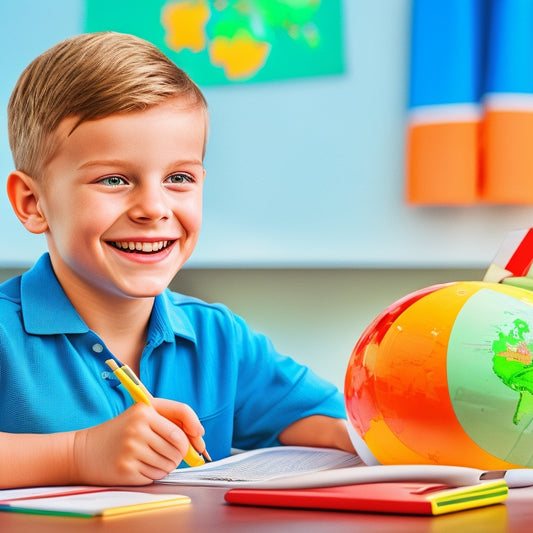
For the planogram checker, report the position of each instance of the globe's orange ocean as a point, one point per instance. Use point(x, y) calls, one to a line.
point(445, 376)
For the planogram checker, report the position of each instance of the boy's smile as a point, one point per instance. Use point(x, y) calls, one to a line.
point(122, 199)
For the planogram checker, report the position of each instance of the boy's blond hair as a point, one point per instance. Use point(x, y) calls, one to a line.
point(89, 76)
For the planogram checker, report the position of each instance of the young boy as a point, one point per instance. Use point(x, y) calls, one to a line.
point(108, 138)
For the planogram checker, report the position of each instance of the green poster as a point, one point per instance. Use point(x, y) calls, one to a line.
point(233, 41)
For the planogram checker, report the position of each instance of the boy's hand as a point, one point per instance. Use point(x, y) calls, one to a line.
point(185, 418)
point(136, 447)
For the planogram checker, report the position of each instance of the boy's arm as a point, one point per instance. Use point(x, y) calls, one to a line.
point(320, 431)
point(35, 460)
point(134, 448)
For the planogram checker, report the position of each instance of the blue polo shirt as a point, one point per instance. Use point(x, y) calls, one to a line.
point(53, 375)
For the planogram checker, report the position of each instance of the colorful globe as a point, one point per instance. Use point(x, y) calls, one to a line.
point(445, 376)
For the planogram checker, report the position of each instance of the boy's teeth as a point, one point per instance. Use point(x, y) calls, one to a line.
point(141, 246)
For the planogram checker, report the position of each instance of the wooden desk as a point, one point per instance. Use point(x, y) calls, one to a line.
point(209, 513)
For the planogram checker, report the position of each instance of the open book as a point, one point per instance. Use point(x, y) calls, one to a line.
point(303, 467)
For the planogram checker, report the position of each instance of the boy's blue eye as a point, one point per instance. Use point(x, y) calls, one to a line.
point(113, 181)
point(179, 178)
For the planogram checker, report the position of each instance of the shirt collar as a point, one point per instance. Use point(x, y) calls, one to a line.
point(46, 310)
point(169, 319)
point(40, 288)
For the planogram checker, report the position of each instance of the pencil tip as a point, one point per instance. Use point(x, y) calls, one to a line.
point(207, 457)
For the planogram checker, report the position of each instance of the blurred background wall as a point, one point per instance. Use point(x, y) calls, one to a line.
point(306, 232)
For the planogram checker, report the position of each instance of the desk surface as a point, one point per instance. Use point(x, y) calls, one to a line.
point(208, 512)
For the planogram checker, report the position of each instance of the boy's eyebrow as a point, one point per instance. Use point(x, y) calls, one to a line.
point(101, 163)
point(120, 162)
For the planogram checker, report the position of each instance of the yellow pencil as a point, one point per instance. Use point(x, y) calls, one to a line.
point(139, 393)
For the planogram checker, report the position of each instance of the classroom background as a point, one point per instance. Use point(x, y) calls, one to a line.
point(308, 232)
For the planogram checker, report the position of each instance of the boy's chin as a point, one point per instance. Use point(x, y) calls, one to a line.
point(146, 292)
point(140, 287)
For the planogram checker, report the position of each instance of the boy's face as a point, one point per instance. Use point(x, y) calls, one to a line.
point(122, 199)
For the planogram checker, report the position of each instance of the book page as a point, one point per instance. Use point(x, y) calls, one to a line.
point(258, 466)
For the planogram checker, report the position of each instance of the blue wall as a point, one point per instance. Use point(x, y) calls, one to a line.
point(305, 173)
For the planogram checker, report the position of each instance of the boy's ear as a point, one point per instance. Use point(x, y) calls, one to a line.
point(23, 194)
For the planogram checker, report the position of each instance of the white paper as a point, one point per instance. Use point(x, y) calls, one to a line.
point(259, 466)
point(39, 492)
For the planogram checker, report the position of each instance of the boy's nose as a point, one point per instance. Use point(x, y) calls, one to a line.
point(150, 203)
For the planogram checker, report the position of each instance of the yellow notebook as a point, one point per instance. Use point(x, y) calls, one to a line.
point(94, 503)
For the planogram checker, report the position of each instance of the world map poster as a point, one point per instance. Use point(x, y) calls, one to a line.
point(233, 41)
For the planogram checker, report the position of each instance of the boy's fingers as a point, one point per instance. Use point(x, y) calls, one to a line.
point(181, 415)
point(198, 444)
point(171, 437)
point(185, 421)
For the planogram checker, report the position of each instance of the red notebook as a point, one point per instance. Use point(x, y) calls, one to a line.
point(394, 497)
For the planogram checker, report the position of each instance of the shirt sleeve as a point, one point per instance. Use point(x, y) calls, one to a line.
point(273, 391)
